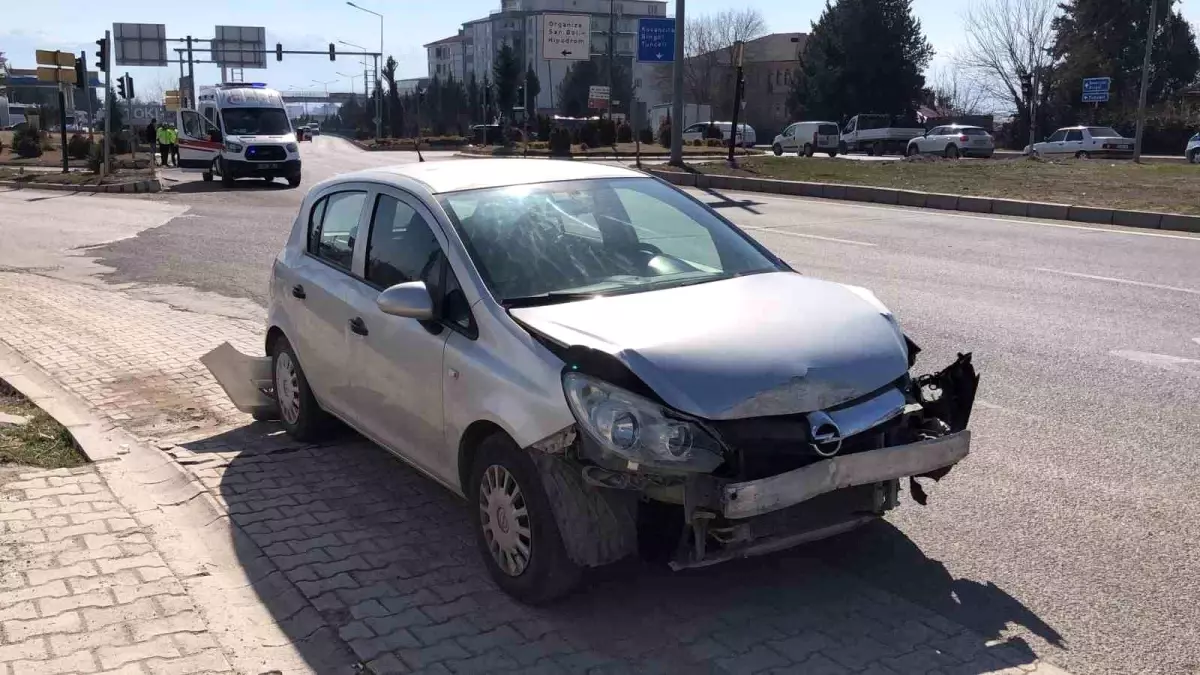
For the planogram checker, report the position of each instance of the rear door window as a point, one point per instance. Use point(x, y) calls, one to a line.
point(827, 130)
point(333, 228)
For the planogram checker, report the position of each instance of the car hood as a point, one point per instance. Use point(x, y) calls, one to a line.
point(276, 140)
point(764, 344)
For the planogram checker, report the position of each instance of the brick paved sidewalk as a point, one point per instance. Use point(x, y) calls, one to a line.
point(83, 591)
point(361, 560)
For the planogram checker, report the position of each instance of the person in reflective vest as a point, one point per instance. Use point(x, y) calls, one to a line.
point(174, 144)
point(163, 136)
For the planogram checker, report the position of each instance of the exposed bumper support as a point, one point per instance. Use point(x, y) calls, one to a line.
point(754, 498)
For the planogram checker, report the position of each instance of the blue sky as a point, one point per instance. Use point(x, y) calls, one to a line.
point(313, 24)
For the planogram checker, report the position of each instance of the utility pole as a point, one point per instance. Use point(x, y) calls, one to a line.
point(739, 50)
point(87, 94)
point(612, 31)
point(1141, 113)
point(677, 89)
point(108, 107)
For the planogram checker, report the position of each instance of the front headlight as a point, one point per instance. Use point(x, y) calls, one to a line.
point(292, 147)
point(233, 147)
point(639, 430)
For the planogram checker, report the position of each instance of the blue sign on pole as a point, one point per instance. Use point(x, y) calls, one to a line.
point(656, 40)
point(1095, 97)
point(1092, 85)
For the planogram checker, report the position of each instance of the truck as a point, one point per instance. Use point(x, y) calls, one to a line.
point(878, 134)
point(238, 130)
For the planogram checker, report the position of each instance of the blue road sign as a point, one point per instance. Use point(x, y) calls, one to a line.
point(1095, 97)
point(1092, 85)
point(656, 40)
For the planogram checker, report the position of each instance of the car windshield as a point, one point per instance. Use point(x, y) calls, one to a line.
point(255, 121)
point(561, 241)
point(1103, 132)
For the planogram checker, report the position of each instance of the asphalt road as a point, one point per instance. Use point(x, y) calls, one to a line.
point(1074, 524)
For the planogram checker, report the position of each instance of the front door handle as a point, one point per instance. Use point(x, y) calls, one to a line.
point(358, 326)
point(298, 292)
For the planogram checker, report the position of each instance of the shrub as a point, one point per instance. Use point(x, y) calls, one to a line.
point(624, 133)
point(698, 142)
point(79, 147)
point(646, 136)
point(560, 142)
point(715, 143)
point(664, 132)
point(95, 158)
point(27, 143)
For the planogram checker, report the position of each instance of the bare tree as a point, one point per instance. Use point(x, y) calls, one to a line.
point(1005, 40)
point(956, 90)
point(708, 41)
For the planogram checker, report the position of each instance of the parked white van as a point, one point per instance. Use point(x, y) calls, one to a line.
point(746, 136)
point(807, 138)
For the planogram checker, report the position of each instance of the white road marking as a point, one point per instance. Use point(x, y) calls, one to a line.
point(1175, 364)
point(1121, 281)
point(773, 230)
point(959, 214)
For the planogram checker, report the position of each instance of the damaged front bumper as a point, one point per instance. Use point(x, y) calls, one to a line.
point(246, 379)
point(756, 497)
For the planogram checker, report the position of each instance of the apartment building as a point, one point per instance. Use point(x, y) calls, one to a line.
point(520, 23)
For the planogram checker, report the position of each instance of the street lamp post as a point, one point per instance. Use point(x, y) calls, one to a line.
point(326, 85)
point(351, 78)
point(366, 93)
point(379, 100)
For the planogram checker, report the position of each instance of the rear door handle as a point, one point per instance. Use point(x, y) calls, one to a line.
point(298, 292)
point(358, 326)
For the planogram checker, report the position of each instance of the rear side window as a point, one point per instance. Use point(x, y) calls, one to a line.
point(975, 132)
point(333, 227)
point(827, 129)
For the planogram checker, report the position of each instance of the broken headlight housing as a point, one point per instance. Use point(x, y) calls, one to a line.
point(637, 430)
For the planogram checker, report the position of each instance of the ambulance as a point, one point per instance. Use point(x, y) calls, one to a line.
point(239, 130)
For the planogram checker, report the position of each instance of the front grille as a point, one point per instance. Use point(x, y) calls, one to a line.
point(266, 153)
point(768, 446)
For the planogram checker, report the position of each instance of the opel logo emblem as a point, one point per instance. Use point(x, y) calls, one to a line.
point(825, 434)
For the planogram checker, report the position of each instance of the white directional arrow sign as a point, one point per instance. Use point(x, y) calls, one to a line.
point(566, 37)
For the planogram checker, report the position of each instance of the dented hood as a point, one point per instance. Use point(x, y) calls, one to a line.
point(765, 344)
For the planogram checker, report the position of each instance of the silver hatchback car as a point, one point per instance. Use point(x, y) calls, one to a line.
point(600, 363)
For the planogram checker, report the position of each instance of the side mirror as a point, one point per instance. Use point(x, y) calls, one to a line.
point(410, 300)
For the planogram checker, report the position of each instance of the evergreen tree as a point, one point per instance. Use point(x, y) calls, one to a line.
point(506, 73)
point(573, 90)
point(533, 87)
point(1107, 38)
point(474, 98)
point(863, 56)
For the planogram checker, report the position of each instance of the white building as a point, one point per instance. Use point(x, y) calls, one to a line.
point(520, 24)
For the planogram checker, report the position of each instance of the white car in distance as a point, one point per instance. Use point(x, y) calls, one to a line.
point(1085, 142)
point(953, 141)
point(1193, 149)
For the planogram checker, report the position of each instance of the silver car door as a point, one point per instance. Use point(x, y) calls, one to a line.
point(316, 289)
point(396, 362)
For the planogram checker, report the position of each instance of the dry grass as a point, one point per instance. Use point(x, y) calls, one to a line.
point(1116, 184)
point(42, 442)
point(73, 178)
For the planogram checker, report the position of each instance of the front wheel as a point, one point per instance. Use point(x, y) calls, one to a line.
point(777, 149)
point(1194, 157)
point(808, 150)
point(1082, 154)
point(910, 150)
point(207, 176)
point(515, 528)
point(226, 178)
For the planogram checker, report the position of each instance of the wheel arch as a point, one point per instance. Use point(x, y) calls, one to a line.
point(468, 447)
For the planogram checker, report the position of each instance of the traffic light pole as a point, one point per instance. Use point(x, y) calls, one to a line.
point(107, 103)
point(677, 89)
point(62, 124)
point(132, 132)
point(87, 93)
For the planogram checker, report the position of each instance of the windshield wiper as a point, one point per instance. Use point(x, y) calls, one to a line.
point(548, 298)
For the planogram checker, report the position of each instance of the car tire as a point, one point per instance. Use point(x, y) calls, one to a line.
point(808, 150)
point(832, 153)
point(299, 412)
point(226, 178)
point(910, 150)
point(777, 149)
point(1082, 154)
point(504, 482)
point(951, 151)
point(207, 176)
point(293, 181)
point(1194, 157)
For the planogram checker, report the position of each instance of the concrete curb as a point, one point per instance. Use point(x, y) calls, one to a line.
point(933, 200)
point(141, 186)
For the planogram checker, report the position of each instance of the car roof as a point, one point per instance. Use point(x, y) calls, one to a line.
point(453, 175)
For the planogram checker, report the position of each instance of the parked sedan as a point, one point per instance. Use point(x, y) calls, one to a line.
point(600, 363)
point(1085, 142)
point(953, 141)
point(1193, 149)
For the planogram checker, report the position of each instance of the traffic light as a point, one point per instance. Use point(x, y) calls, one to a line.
point(278, 51)
point(332, 52)
point(521, 95)
point(129, 86)
point(121, 87)
point(81, 72)
point(1026, 86)
point(102, 55)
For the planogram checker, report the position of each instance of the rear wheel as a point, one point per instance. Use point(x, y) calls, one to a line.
point(777, 149)
point(832, 153)
point(808, 150)
point(293, 181)
point(1082, 154)
point(268, 179)
point(299, 411)
point(515, 528)
point(951, 151)
point(1194, 156)
point(207, 176)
